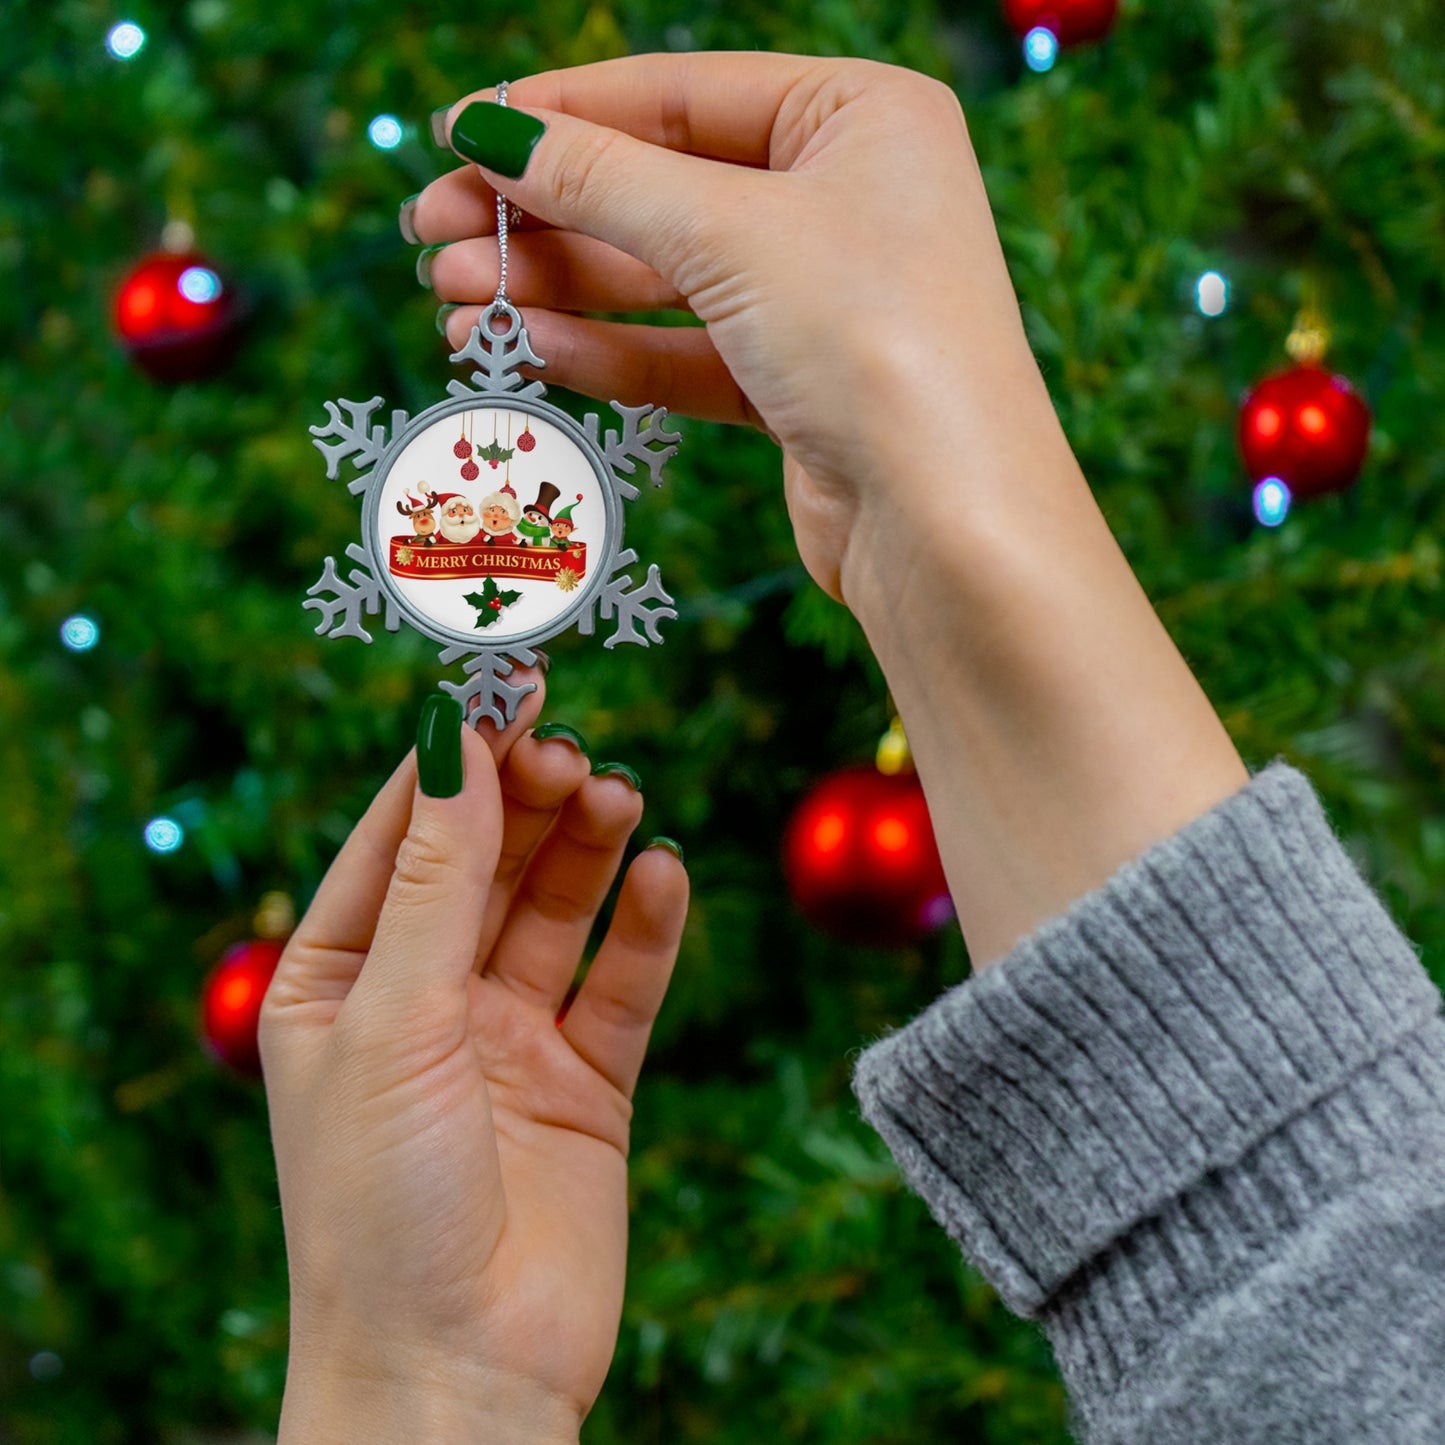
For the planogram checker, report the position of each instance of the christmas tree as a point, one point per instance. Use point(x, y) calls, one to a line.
point(178, 744)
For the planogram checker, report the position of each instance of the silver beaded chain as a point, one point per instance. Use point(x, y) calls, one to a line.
point(501, 299)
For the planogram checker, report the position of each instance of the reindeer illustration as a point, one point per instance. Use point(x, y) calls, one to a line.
point(423, 516)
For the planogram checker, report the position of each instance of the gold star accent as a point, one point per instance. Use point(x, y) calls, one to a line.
point(403, 555)
point(567, 579)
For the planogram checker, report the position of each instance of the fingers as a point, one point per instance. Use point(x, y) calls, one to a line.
point(611, 1018)
point(673, 366)
point(723, 105)
point(539, 776)
point(421, 954)
point(565, 885)
point(557, 269)
point(500, 740)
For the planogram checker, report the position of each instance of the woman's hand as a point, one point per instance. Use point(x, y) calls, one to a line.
point(826, 219)
point(451, 1158)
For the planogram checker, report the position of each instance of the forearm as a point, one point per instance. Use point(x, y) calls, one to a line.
point(1056, 728)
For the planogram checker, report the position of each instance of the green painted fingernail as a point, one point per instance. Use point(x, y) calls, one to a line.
point(671, 844)
point(496, 136)
point(561, 730)
point(443, 312)
point(406, 223)
point(617, 770)
point(439, 747)
point(423, 262)
point(439, 125)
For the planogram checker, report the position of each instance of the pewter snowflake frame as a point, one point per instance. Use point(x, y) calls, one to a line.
point(608, 592)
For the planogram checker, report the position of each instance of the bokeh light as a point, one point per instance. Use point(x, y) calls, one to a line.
point(1271, 502)
point(199, 284)
point(385, 132)
point(80, 633)
point(1041, 48)
point(164, 835)
point(1211, 294)
point(126, 40)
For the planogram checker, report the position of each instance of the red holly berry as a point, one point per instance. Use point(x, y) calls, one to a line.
point(462, 448)
point(495, 604)
point(526, 441)
point(495, 464)
point(471, 471)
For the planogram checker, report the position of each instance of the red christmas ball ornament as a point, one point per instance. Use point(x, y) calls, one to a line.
point(231, 1003)
point(461, 449)
point(526, 441)
point(1071, 22)
point(176, 318)
point(1307, 427)
point(470, 471)
point(861, 861)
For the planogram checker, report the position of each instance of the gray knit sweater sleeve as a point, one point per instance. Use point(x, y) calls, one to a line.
point(1196, 1127)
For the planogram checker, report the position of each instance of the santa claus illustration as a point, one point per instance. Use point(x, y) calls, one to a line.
point(500, 513)
point(458, 520)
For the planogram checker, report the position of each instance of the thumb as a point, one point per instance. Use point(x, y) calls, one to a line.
point(425, 942)
point(646, 200)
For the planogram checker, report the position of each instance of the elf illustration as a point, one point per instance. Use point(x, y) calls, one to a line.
point(563, 525)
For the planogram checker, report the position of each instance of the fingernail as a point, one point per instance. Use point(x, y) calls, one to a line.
point(617, 770)
point(423, 262)
point(671, 844)
point(561, 730)
point(443, 312)
point(439, 125)
point(543, 663)
point(404, 220)
point(439, 747)
point(496, 136)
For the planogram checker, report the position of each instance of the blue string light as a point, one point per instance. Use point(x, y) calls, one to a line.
point(1271, 502)
point(80, 633)
point(1211, 294)
point(164, 835)
point(199, 284)
point(385, 132)
point(126, 40)
point(1041, 48)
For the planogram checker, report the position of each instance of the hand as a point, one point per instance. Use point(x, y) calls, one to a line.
point(451, 1158)
point(826, 219)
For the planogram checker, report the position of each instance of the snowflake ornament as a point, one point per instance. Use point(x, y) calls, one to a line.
point(494, 570)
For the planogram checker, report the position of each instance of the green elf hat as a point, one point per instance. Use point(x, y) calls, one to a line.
point(564, 514)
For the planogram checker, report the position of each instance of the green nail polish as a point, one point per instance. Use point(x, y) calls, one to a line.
point(496, 136)
point(618, 770)
point(439, 747)
point(423, 262)
point(405, 222)
point(671, 844)
point(561, 730)
point(443, 312)
point(438, 125)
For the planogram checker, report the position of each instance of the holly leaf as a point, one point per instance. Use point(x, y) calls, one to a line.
point(483, 600)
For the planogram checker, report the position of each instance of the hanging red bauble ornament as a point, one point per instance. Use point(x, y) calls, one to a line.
point(176, 318)
point(1071, 22)
point(861, 861)
point(231, 1003)
point(526, 441)
point(1307, 427)
point(461, 449)
point(471, 471)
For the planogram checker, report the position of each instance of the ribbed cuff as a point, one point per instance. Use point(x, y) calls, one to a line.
point(1227, 981)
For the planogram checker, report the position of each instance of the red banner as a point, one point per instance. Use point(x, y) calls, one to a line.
point(451, 559)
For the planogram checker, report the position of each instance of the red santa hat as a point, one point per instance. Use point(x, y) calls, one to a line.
point(444, 497)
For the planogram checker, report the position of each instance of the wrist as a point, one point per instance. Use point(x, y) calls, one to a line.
point(411, 1398)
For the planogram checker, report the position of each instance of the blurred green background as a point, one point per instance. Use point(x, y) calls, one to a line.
point(783, 1285)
